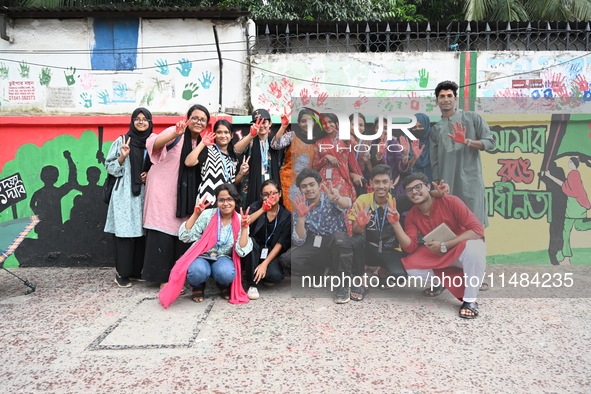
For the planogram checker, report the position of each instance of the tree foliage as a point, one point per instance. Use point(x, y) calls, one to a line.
point(371, 10)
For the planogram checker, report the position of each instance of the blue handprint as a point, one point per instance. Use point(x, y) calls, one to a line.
point(104, 97)
point(120, 89)
point(207, 79)
point(186, 67)
point(162, 66)
point(87, 98)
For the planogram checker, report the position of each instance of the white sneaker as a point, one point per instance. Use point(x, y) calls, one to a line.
point(253, 293)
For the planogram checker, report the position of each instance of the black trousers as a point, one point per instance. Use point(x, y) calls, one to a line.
point(129, 256)
point(162, 251)
point(253, 259)
point(335, 252)
point(365, 253)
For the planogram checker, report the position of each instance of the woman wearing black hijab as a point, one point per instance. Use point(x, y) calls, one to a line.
point(125, 213)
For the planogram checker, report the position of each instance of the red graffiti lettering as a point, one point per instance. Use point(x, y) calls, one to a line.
point(516, 170)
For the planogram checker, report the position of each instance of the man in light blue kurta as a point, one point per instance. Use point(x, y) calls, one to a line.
point(458, 163)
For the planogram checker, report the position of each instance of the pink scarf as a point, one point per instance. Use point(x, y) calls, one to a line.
point(208, 239)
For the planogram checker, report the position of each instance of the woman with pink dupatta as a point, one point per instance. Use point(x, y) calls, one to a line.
point(335, 160)
point(221, 238)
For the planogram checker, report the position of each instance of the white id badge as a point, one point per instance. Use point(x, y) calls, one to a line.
point(266, 177)
point(380, 246)
point(317, 241)
point(264, 253)
point(329, 173)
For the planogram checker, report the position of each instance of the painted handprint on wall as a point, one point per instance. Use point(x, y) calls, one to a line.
point(45, 76)
point(87, 81)
point(104, 97)
point(69, 74)
point(190, 91)
point(24, 69)
point(423, 78)
point(207, 80)
point(185, 68)
point(162, 66)
point(3, 71)
point(86, 100)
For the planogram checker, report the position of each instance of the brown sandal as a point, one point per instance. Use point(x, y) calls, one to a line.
point(225, 292)
point(197, 295)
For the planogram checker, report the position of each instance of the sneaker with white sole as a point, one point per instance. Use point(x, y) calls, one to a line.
point(343, 295)
point(253, 293)
point(122, 282)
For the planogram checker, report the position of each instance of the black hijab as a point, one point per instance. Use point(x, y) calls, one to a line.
point(137, 149)
point(189, 177)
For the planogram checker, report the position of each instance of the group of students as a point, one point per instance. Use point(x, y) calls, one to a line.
point(195, 202)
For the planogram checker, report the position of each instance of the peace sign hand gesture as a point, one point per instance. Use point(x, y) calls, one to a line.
point(393, 215)
point(244, 167)
point(181, 125)
point(245, 221)
point(301, 207)
point(125, 147)
point(333, 194)
point(200, 207)
point(254, 129)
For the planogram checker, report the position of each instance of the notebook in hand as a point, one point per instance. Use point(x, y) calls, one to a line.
point(441, 233)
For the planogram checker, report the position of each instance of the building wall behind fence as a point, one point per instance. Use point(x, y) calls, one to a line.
point(526, 212)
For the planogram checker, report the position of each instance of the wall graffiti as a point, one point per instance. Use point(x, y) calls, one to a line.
point(516, 170)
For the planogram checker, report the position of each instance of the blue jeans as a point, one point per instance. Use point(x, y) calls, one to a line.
point(222, 270)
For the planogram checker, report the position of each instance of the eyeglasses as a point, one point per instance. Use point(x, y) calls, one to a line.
point(267, 195)
point(225, 200)
point(415, 188)
point(198, 120)
point(141, 120)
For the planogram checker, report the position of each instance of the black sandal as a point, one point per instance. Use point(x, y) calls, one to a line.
point(471, 306)
point(198, 294)
point(433, 291)
point(224, 291)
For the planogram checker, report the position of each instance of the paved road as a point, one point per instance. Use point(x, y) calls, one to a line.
point(79, 333)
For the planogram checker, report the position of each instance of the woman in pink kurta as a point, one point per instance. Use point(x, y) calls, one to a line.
point(171, 191)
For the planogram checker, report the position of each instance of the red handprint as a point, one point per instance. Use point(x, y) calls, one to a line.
point(362, 216)
point(263, 100)
point(459, 135)
point(284, 120)
point(301, 207)
point(208, 138)
point(416, 150)
point(285, 83)
point(360, 102)
point(305, 96)
point(274, 89)
point(181, 125)
point(320, 101)
point(581, 82)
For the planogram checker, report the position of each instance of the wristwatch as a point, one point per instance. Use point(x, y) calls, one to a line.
point(443, 248)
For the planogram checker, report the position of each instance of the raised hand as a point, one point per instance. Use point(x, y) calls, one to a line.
point(301, 207)
point(442, 187)
point(459, 135)
point(125, 147)
point(200, 207)
point(284, 120)
point(244, 167)
point(245, 220)
point(254, 128)
point(181, 125)
point(416, 150)
point(208, 138)
point(405, 145)
point(393, 215)
point(362, 216)
point(270, 201)
point(333, 194)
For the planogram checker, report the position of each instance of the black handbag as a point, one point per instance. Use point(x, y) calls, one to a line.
point(110, 183)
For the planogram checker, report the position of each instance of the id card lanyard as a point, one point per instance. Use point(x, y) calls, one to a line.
point(219, 243)
point(317, 238)
point(265, 250)
point(264, 148)
point(380, 226)
point(223, 158)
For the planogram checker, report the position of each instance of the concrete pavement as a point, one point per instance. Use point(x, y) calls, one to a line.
point(80, 333)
